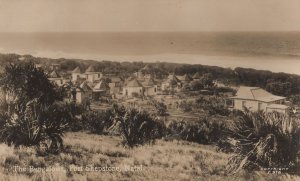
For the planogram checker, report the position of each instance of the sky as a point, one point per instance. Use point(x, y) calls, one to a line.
point(149, 15)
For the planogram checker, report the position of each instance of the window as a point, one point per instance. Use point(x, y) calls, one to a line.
point(155, 89)
point(243, 104)
point(259, 106)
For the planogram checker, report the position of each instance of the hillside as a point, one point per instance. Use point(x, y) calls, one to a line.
point(165, 160)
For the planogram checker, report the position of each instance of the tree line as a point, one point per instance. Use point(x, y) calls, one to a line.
point(277, 83)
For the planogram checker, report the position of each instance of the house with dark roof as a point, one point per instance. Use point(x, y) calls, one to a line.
point(100, 89)
point(116, 84)
point(133, 87)
point(196, 76)
point(258, 99)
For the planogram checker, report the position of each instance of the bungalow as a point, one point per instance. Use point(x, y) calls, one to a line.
point(83, 93)
point(133, 87)
point(171, 83)
point(257, 99)
point(54, 77)
point(100, 89)
point(90, 75)
point(115, 85)
point(77, 74)
point(186, 78)
point(196, 76)
point(150, 87)
point(146, 72)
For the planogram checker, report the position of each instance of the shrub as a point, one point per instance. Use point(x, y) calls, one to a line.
point(160, 107)
point(212, 105)
point(202, 131)
point(97, 121)
point(263, 140)
point(185, 106)
point(136, 126)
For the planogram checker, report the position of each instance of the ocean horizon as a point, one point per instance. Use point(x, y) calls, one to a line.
point(274, 51)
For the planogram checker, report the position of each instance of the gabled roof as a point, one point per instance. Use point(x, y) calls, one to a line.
point(116, 79)
point(85, 87)
point(149, 82)
point(101, 86)
point(173, 78)
point(196, 75)
point(147, 67)
point(256, 93)
point(76, 70)
point(54, 74)
point(185, 77)
point(134, 83)
point(90, 69)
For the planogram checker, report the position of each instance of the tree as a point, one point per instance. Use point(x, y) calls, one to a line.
point(207, 80)
point(264, 140)
point(35, 116)
point(196, 85)
point(24, 82)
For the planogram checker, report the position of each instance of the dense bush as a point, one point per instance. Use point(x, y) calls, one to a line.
point(262, 140)
point(136, 126)
point(161, 108)
point(97, 121)
point(213, 105)
point(36, 125)
point(203, 131)
point(185, 106)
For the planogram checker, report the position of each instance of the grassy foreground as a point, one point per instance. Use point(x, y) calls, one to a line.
point(85, 157)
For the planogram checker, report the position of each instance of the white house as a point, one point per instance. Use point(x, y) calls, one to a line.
point(150, 87)
point(133, 87)
point(257, 99)
point(90, 74)
point(83, 93)
point(76, 74)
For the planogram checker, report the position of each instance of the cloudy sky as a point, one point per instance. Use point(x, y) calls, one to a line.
point(149, 15)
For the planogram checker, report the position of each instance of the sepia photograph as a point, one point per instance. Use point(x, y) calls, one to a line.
point(160, 90)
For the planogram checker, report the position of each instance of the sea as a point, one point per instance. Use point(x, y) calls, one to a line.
point(274, 51)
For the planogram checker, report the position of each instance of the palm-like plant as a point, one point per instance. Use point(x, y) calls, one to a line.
point(136, 126)
point(34, 117)
point(36, 125)
point(264, 140)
